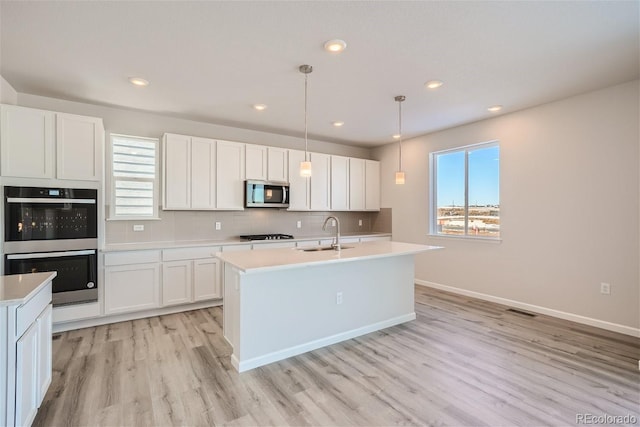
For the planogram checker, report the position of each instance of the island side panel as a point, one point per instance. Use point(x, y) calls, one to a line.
point(291, 311)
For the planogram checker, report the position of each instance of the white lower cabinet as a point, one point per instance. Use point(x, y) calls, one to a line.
point(207, 283)
point(132, 281)
point(190, 275)
point(176, 282)
point(25, 357)
point(26, 376)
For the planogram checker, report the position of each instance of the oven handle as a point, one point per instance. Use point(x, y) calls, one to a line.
point(51, 254)
point(45, 200)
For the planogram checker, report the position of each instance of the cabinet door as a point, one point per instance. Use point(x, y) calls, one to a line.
point(356, 184)
point(176, 282)
point(131, 288)
point(256, 162)
point(229, 175)
point(278, 164)
point(176, 156)
point(320, 182)
point(298, 186)
point(372, 190)
point(203, 173)
point(79, 142)
point(339, 183)
point(27, 376)
point(26, 140)
point(44, 353)
point(206, 279)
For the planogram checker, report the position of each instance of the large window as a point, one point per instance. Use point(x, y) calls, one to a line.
point(465, 192)
point(134, 177)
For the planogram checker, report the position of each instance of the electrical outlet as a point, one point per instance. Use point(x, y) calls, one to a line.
point(333, 222)
point(605, 288)
point(138, 227)
point(339, 298)
point(299, 224)
point(359, 223)
point(218, 225)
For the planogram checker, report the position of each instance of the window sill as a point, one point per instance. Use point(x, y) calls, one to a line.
point(494, 240)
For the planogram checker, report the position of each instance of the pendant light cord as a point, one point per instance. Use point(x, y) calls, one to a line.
point(400, 135)
point(306, 143)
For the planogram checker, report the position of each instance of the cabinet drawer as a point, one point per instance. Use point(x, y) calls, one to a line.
point(27, 313)
point(131, 257)
point(189, 253)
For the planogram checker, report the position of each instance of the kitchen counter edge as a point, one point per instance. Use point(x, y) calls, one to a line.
point(140, 246)
point(16, 289)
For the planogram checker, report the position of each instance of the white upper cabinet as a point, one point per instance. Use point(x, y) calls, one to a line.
point(298, 186)
point(176, 153)
point(320, 182)
point(278, 164)
point(188, 172)
point(203, 173)
point(45, 144)
point(356, 184)
point(27, 139)
point(339, 183)
point(230, 175)
point(372, 186)
point(256, 162)
point(79, 142)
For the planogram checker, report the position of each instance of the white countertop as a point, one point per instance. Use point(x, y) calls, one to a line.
point(115, 247)
point(16, 289)
point(278, 259)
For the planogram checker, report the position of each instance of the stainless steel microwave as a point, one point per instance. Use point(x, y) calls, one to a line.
point(266, 194)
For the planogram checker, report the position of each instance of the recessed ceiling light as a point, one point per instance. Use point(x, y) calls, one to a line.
point(495, 108)
point(396, 136)
point(337, 124)
point(260, 107)
point(335, 46)
point(138, 81)
point(433, 84)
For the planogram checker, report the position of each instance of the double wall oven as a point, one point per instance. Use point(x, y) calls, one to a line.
point(48, 229)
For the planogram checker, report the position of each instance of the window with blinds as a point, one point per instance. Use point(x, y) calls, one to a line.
point(134, 176)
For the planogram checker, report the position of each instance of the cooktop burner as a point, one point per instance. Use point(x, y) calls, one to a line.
point(267, 236)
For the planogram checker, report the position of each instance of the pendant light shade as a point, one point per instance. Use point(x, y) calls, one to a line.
point(399, 174)
point(305, 167)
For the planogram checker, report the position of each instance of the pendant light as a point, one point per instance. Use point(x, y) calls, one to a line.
point(305, 167)
point(399, 173)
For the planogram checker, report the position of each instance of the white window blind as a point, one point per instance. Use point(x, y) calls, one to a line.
point(135, 177)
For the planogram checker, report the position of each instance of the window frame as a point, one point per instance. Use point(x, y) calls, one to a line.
point(433, 178)
point(112, 181)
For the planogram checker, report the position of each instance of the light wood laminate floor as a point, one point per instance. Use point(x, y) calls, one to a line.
point(463, 362)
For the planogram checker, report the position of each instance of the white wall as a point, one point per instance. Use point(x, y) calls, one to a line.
point(8, 94)
point(132, 122)
point(570, 191)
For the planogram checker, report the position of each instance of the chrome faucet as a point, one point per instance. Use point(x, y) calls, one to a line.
point(336, 240)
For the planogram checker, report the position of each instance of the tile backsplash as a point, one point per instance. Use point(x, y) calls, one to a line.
point(200, 225)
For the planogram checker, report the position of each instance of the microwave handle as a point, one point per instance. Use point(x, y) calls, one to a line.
point(284, 194)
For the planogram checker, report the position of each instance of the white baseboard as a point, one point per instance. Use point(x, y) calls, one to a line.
point(265, 359)
point(615, 327)
point(104, 320)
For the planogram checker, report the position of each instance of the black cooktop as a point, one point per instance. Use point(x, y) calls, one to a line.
point(267, 236)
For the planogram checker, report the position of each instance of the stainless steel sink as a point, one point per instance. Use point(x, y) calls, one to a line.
point(321, 248)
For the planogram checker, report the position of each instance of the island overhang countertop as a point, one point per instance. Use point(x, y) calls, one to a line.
point(278, 259)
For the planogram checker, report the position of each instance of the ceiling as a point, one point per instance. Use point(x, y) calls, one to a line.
point(212, 60)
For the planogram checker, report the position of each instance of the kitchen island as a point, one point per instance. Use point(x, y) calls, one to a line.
point(25, 345)
point(283, 302)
